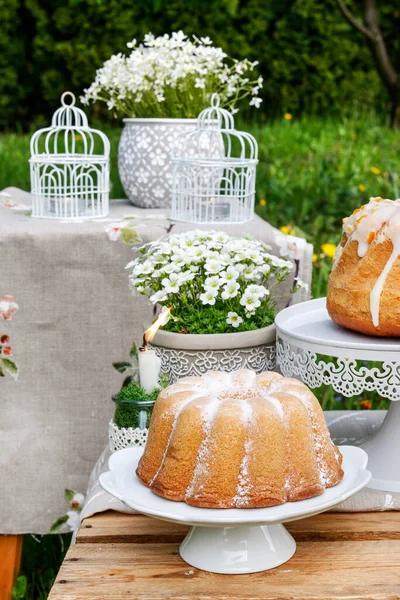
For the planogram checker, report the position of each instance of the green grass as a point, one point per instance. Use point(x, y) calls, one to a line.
point(314, 172)
point(42, 556)
point(311, 174)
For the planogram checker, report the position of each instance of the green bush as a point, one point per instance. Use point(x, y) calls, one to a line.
point(310, 57)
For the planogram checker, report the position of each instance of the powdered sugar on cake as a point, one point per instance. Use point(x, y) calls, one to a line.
point(238, 395)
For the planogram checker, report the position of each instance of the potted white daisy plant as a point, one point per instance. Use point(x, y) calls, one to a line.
point(221, 293)
point(159, 89)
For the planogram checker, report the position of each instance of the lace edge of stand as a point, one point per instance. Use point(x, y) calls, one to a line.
point(126, 437)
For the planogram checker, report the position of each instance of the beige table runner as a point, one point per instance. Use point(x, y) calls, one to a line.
point(76, 316)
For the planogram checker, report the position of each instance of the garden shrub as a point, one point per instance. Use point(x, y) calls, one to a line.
point(311, 59)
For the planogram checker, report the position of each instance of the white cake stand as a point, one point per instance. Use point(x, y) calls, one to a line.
point(304, 333)
point(231, 540)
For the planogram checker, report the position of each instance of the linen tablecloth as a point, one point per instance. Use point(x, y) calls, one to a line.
point(76, 316)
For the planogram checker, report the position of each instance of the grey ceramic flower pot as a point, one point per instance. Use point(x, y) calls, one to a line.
point(192, 355)
point(145, 153)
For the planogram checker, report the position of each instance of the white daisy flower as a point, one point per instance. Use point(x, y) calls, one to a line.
point(172, 284)
point(231, 274)
point(74, 520)
point(213, 266)
point(250, 272)
point(301, 284)
point(280, 263)
point(250, 301)
point(234, 319)
point(264, 269)
point(213, 282)
point(209, 297)
point(170, 268)
point(220, 237)
point(255, 101)
point(160, 296)
point(187, 276)
point(179, 263)
point(258, 290)
point(231, 290)
point(198, 252)
point(290, 246)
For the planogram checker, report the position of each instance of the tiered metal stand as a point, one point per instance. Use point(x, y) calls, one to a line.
point(313, 348)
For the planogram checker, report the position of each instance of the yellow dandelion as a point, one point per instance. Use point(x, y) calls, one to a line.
point(314, 258)
point(375, 171)
point(78, 137)
point(361, 187)
point(263, 202)
point(287, 116)
point(328, 250)
point(287, 229)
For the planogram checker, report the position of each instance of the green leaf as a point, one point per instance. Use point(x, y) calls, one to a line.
point(68, 495)
point(122, 367)
point(133, 353)
point(127, 380)
point(10, 367)
point(1, 372)
point(129, 236)
point(58, 524)
point(19, 589)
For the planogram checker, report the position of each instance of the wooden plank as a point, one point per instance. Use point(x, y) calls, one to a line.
point(111, 527)
point(10, 560)
point(343, 570)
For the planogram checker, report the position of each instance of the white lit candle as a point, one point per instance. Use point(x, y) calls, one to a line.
point(149, 362)
point(149, 369)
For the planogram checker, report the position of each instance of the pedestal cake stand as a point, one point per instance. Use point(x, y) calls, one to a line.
point(312, 347)
point(231, 540)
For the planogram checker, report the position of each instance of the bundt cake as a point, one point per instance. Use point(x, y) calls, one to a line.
point(364, 286)
point(238, 440)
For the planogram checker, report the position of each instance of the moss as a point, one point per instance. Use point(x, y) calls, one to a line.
point(129, 416)
point(135, 393)
point(128, 412)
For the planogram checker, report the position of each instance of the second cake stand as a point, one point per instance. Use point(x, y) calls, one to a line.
point(233, 541)
point(313, 348)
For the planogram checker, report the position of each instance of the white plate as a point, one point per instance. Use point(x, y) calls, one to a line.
point(310, 322)
point(122, 482)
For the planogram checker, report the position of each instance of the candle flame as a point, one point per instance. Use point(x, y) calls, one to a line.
point(162, 319)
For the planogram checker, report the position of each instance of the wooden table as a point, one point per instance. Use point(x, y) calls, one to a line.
point(339, 556)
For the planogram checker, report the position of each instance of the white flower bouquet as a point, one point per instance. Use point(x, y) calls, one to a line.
point(172, 77)
point(212, 282)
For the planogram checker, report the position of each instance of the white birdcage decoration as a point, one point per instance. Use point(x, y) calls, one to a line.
point(214, 171)
point(69, 167)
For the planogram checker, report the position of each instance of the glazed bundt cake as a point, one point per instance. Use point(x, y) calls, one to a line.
point(364, 286)
point(227, 440)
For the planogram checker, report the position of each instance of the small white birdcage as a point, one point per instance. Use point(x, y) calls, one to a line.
point(69, 167)
point(214, 171)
